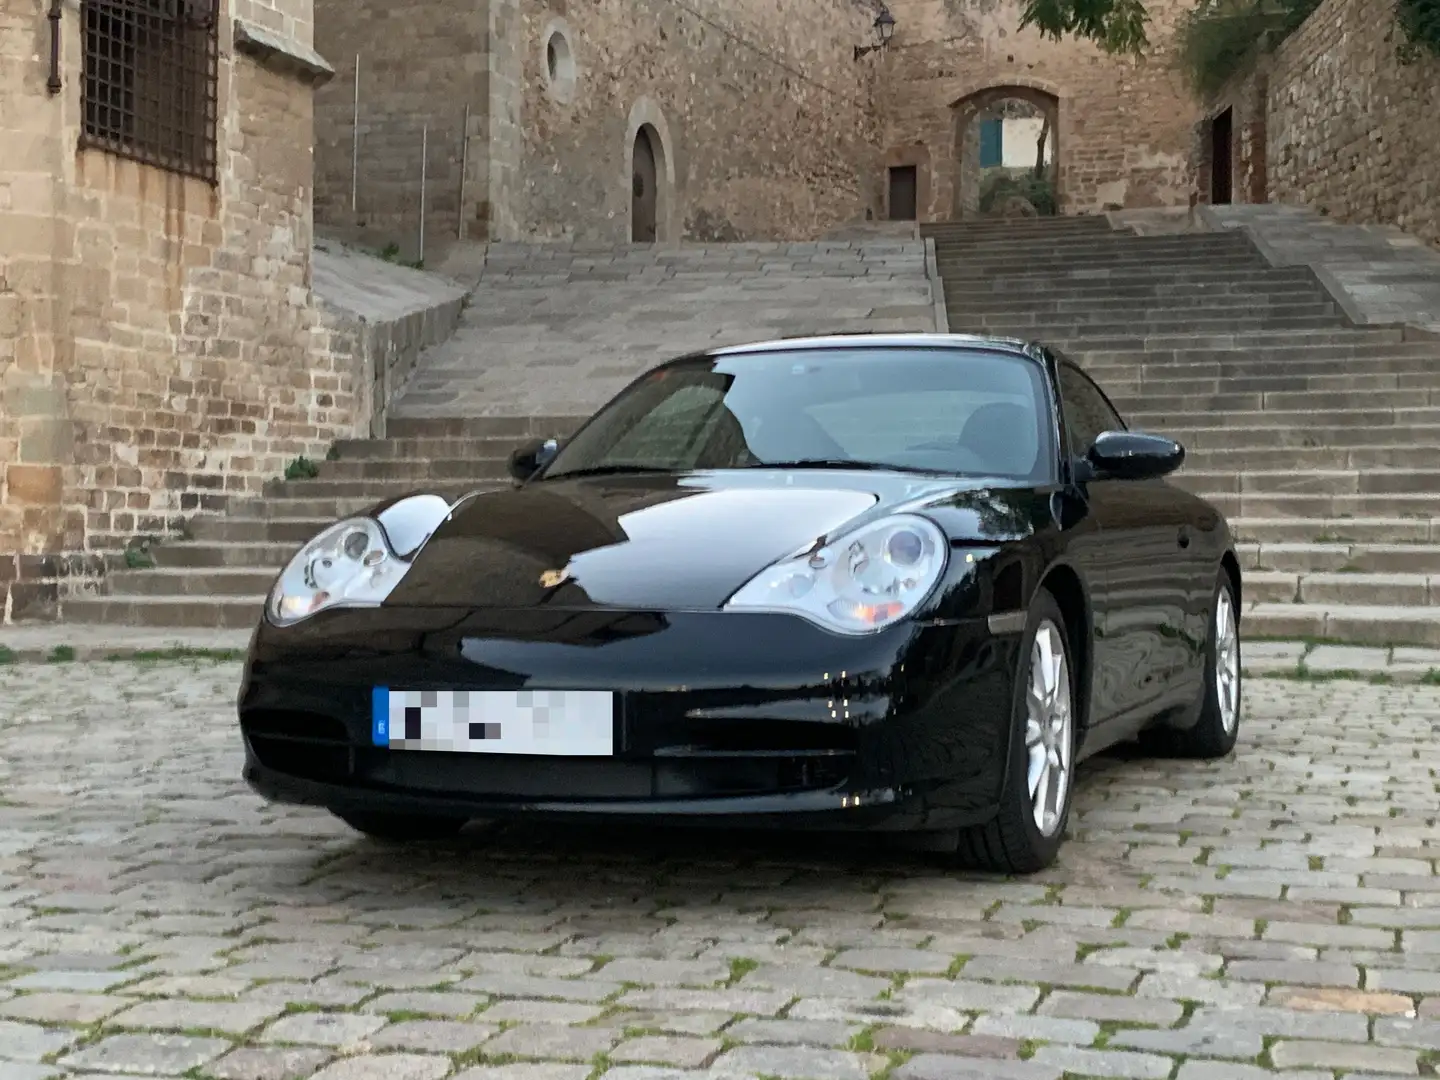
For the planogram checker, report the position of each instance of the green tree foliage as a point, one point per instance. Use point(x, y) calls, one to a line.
point(1221, 37)
point(1120, 26)
point(1420, 20)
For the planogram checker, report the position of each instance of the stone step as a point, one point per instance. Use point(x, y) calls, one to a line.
point(1118, 385)
point(335, 507)
point(1076, 334)
point(1306, 458)
point(961, 264)
point(1056, 284)
point(372, 488)
point(1046, 276)
point(1138, 285)
point(1133, 296)
point(293, 531)
point(1278, 400)
point(493, 447)
point(180, 612)
point(508, 427)
point(1276, 505)
point(431, 470)
point(1356, 624)
point(1278, 587)
point(1340, 558)
point(1352, 530)
point(191, 582)
point(1237, 311)
point(1051, 223)
point(1254, 340)
point(1199, 439)
point(1316, 420)
point(1239, 305)
point(1158, 377)
point(197, 554)
point(1082, 245)
point(1311, 482)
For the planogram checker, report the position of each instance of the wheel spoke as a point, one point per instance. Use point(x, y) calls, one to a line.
point(1036, 770)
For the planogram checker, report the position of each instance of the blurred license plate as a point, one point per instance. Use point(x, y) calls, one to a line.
point(559, 723)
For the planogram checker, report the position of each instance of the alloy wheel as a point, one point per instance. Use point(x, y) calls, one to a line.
point(1048, 728)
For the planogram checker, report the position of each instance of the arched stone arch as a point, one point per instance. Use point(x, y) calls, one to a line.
point(647, 129)
point(1043, 95)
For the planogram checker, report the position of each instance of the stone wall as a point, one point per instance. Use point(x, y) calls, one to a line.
point(1125, 127)
point(419, 66)
point(159, 348)
point(1352, 132)
point(1246, 96)
point(763, 118)
point(764, 122)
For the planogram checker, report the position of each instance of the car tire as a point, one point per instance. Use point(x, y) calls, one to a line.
point(1214, 734)
point(1014, 840)
point(401, 828)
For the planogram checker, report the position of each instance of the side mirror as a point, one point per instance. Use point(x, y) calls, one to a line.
point(1134, 455)
point(527, 460)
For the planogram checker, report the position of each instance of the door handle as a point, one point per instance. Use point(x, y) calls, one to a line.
point(1183, 539)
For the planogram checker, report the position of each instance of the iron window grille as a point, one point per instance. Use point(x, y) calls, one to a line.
point(151, 78)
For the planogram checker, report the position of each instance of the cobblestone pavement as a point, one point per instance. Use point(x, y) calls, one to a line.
point(1276, 913)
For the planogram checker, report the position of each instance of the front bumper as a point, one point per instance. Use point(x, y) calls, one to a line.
point(721, 718)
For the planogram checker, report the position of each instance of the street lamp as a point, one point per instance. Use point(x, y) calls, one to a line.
point(884, 31)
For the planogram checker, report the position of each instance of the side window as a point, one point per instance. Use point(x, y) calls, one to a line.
point(1088, 412)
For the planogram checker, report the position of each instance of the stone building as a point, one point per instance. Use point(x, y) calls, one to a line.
point(610, 120)
point(159, 348)
point(715, 119)
point(1333, 120)
point(1122, 126)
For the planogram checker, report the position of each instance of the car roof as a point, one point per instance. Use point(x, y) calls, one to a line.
point(849, 341)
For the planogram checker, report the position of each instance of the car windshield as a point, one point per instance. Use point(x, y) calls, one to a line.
point(926, 409)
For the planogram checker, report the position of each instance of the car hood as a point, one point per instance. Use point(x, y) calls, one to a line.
point(668, 542)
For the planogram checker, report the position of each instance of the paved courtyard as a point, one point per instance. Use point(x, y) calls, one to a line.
point(1277, 913)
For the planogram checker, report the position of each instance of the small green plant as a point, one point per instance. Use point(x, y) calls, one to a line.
point(302, 468)
point(1037, 190)
point(7, 656)
point(61, 654)
point(390, 252)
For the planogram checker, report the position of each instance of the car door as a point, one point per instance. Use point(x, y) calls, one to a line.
point(1140, 532)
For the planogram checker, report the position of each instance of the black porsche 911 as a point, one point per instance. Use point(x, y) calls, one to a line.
point(895, 583)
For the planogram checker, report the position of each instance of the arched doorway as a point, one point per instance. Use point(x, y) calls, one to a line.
point(645, 188)
point(1007, 151)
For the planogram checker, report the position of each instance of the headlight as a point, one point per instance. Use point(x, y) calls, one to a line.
point(347, 565)
point(860, 583)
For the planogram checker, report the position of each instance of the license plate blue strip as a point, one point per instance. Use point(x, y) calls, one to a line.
point(380, 716)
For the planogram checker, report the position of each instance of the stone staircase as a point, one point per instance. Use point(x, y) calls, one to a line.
point(218, 575)
point(1319, 440)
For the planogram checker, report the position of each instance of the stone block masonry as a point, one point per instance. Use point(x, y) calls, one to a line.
point(1345, 127)
point(557, 329)
point(160, 350)
point(1124, 127)
point(760, 121)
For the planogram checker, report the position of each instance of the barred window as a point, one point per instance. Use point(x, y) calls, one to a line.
point(151, 76)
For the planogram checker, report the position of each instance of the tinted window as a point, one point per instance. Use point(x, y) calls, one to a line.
point(942, 410)
point(1087, 412)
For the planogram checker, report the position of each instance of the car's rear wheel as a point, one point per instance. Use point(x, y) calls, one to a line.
point(1215, 733)
point(1025, 835)
point(401, 828)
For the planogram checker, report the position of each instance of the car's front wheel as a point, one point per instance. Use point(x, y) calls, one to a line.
point(1214, 734)
point(1025, 835)
point(401, 828)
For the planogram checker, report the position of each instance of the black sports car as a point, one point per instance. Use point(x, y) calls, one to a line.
point(884, 583)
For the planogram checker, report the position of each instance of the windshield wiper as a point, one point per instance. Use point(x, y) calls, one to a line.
point(841, 463)
point(609, 470)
